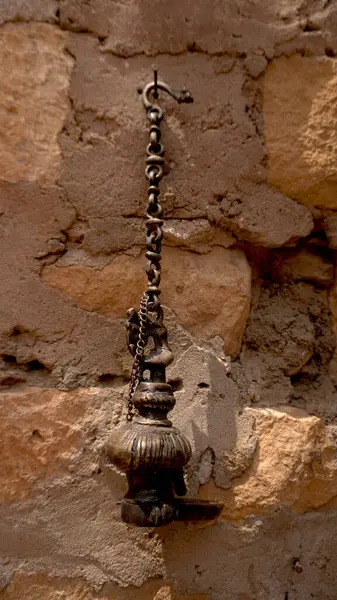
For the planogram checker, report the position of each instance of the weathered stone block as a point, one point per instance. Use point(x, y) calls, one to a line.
point(299, 106)
point(43, 434)
point(35, 74)
point(244, 214)
point(295, 466)
point(38, 587)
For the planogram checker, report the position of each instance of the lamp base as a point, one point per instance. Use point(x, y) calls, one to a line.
point(143, 515)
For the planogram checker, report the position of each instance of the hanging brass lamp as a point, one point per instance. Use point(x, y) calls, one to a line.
point(147, 447)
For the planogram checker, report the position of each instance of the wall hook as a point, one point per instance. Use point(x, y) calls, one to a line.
point(155, 85)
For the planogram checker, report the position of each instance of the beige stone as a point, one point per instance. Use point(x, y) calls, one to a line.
point(294, 465)
point(187, 233)
point(38, 587)
point(35, 73)
point(299, 106)
point(245, 216)
point(218, 282)
point(197, 235)
point(41, 434)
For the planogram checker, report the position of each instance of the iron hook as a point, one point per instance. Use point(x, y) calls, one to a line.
point(179, 95)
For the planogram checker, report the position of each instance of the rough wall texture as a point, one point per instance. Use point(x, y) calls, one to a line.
point(250, 195)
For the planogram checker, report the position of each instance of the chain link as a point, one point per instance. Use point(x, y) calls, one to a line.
point(154, 235)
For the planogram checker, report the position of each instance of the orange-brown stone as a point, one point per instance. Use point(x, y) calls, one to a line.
point(40, 435)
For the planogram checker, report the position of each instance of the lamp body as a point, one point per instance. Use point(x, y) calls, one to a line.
point(153, 454)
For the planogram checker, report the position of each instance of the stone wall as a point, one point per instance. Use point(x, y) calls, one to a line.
point(250, 195)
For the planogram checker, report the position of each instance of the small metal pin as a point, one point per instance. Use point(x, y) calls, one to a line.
point(155, 79)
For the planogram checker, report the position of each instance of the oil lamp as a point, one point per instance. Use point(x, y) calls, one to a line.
point(147, 447)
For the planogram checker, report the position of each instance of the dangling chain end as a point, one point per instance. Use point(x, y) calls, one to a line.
point(139, 353)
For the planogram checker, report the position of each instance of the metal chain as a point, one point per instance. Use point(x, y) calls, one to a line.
point(154, 235)
point(138, 360)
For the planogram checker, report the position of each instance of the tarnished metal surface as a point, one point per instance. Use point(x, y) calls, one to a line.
point(150, 450)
